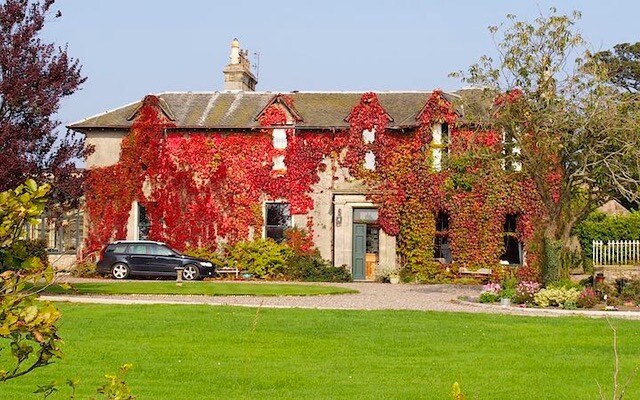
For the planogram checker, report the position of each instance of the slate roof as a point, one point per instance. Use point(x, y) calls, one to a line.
point(239, 110)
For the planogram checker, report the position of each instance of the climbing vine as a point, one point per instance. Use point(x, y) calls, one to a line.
point(204, 188)
point(199, 189)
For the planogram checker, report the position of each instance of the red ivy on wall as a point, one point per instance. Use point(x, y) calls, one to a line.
point(200, 188)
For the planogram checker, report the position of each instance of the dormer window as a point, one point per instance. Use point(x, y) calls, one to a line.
point(280, 139)
point(279, 143)
point(369, 136)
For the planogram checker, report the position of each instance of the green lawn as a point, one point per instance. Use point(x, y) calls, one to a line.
point(203, 288)
point(205, 352)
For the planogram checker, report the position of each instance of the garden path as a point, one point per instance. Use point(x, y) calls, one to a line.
point(370, 296)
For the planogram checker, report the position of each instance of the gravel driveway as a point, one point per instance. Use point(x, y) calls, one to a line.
point(371, 296)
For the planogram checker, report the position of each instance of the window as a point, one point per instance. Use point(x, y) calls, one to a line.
point(120, 248)
point(369, 136)
point(280, 139)
point(279, 143)
point(440, 145)
point(62, 234)
point(441, 247)
point(143, 223)
point(137, 249)
point(372, 245)
point(370, 161)
point(161, 250)
point(277, 220)
point(512, 246)
point(365, 215)
point(511, 152)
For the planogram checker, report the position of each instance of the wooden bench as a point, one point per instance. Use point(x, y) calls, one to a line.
point(228, 270)
point(478, 273)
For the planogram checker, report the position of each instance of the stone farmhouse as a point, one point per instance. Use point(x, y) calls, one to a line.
point(345, 221)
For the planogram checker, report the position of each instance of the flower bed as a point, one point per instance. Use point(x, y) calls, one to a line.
point(618, 295)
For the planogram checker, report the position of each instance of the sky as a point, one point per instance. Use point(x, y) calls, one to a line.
point(132, 48)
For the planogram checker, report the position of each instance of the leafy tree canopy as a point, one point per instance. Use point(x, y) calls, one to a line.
point(623, 65)
point(575, 135)
point(34, 77)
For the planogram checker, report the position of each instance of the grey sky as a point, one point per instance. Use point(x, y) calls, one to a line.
point(131, 48)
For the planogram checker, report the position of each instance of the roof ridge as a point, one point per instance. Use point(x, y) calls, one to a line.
point(105, 112)
point(274, 92)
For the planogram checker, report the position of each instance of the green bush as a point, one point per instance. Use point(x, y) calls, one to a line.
point(37, 248)
point(261, 258)
point(599, 226)
point(508, 293)
point(488, 297)
point(85, 269)
point(631, 291)
point(557, 297)
point(217, 259)
point(313, 268)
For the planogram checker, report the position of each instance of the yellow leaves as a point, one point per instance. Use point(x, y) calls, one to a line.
point(29, 314)
point(31, 264)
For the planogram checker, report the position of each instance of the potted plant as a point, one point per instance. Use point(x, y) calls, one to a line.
point(388, 274)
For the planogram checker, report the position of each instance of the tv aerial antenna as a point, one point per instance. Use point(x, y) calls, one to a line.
point(256, 64)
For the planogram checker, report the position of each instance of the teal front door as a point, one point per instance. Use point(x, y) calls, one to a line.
point(359, 247)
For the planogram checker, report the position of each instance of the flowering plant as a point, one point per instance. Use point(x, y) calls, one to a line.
point(525, 291)
point(490, 292)
point(588, 298)
point(557, 297)
point(492, 287)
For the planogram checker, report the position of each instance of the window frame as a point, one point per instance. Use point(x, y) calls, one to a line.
point(441, 236)
point(284, 226)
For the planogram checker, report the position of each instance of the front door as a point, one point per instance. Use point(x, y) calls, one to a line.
point(359, 249)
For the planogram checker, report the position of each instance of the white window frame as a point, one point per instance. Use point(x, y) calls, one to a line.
point(264, 222)
point(437, 146)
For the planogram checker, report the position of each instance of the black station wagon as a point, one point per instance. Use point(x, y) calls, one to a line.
point(122, 259)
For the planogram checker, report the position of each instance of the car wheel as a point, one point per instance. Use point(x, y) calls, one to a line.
point(190, 273)
point(120, 271)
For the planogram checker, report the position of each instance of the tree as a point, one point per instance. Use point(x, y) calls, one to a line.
point(623, 65)
point(34, 77)
point(26, 325)
point(575, 135)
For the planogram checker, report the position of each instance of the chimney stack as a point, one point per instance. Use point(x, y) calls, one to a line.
point(237, 75)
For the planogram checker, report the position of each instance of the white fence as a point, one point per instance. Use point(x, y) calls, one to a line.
point(616, 253)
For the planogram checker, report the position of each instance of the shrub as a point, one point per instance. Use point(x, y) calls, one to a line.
point(299, 241)
point(313, 268)
point(217, 259)
point(263, 258)
point(588, 298)
point(85, 269)
point(508, 294)
point(631, 291)
point(37, 248)
point(605, 289)
point(599, 226)
point(556, 297)
point(490, 293)
point(525, 292)
point(486, 297)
